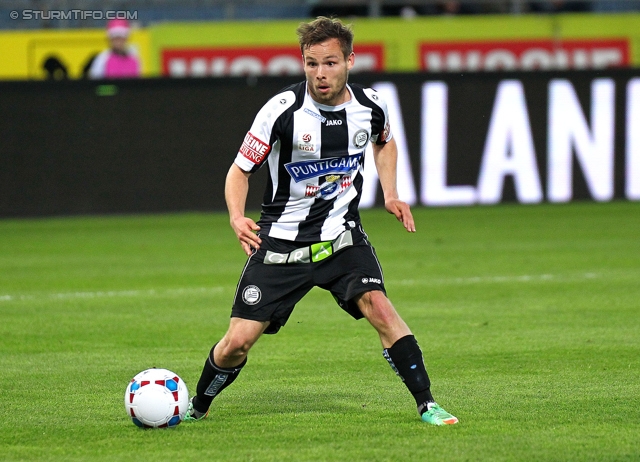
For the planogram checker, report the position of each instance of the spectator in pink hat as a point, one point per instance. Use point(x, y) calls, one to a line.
point(119, 61)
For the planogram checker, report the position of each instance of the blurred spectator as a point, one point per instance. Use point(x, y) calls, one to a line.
point(558, 6)
point(340, 11)
point(452, 7)
point(613, 6)
point(119, 61)
point(54, 69)
point(446, 7)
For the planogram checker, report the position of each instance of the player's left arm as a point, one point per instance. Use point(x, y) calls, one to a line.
point(385, 157)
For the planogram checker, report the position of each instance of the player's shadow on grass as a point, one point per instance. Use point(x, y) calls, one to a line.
point(314, 402)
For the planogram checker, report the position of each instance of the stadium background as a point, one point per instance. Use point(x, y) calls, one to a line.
point(163, 143)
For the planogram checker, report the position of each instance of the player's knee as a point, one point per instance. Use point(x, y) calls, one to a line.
point(377, 307)
point(371, 299)
point(380, 300)
point(233, 347)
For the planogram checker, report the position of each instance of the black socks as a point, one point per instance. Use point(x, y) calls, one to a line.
point(405, 358)
point(212, 381)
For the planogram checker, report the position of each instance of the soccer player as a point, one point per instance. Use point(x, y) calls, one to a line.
point(312, 138)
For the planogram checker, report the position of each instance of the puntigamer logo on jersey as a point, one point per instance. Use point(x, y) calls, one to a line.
point(306, 169)
point(254, 149)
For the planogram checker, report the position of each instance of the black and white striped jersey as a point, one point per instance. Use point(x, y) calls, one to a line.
point(315, 156)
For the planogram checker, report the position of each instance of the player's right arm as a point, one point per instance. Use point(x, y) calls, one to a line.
point(236, 189)
point(252, 154)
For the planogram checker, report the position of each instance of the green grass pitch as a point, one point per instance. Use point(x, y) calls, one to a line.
point(528, 318)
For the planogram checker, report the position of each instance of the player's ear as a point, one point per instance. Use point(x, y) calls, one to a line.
point(351, 59)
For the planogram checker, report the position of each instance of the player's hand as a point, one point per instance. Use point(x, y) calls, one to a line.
point(402, 211)
point(246, 229)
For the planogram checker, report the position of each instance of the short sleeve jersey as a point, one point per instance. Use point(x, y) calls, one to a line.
point(315, 156)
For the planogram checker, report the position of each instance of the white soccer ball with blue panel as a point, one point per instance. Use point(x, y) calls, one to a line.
point(156, 398)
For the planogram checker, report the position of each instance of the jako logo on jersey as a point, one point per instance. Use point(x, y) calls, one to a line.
point(319, 167)
point(334, 122)
point(306, 141)
point(254, 149)
point(374, 280)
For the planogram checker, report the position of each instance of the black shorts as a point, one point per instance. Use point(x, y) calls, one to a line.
point(278, 275)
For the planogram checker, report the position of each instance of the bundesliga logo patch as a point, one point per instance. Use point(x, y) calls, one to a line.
point(307, 141)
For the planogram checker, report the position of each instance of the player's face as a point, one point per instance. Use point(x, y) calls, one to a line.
point(327, 70)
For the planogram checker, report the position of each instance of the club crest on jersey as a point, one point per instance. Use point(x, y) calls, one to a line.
point(361, 138)
point(307, 141)
point(306, 169)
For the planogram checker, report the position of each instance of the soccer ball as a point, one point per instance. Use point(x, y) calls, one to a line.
point(156, 398)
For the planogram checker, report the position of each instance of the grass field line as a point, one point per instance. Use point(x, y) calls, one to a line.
point(132, 293)
point(500, 279)
point(115, 293)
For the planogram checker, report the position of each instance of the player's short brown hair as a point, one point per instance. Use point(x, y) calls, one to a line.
point(322, 29)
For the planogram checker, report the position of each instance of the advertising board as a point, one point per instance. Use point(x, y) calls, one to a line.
point(435, 44)
point(525, 55)
point(262, 60)
point(166, 144)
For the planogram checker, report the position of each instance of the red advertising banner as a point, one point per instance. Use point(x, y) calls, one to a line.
point(525, 55)
point(238, 61)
